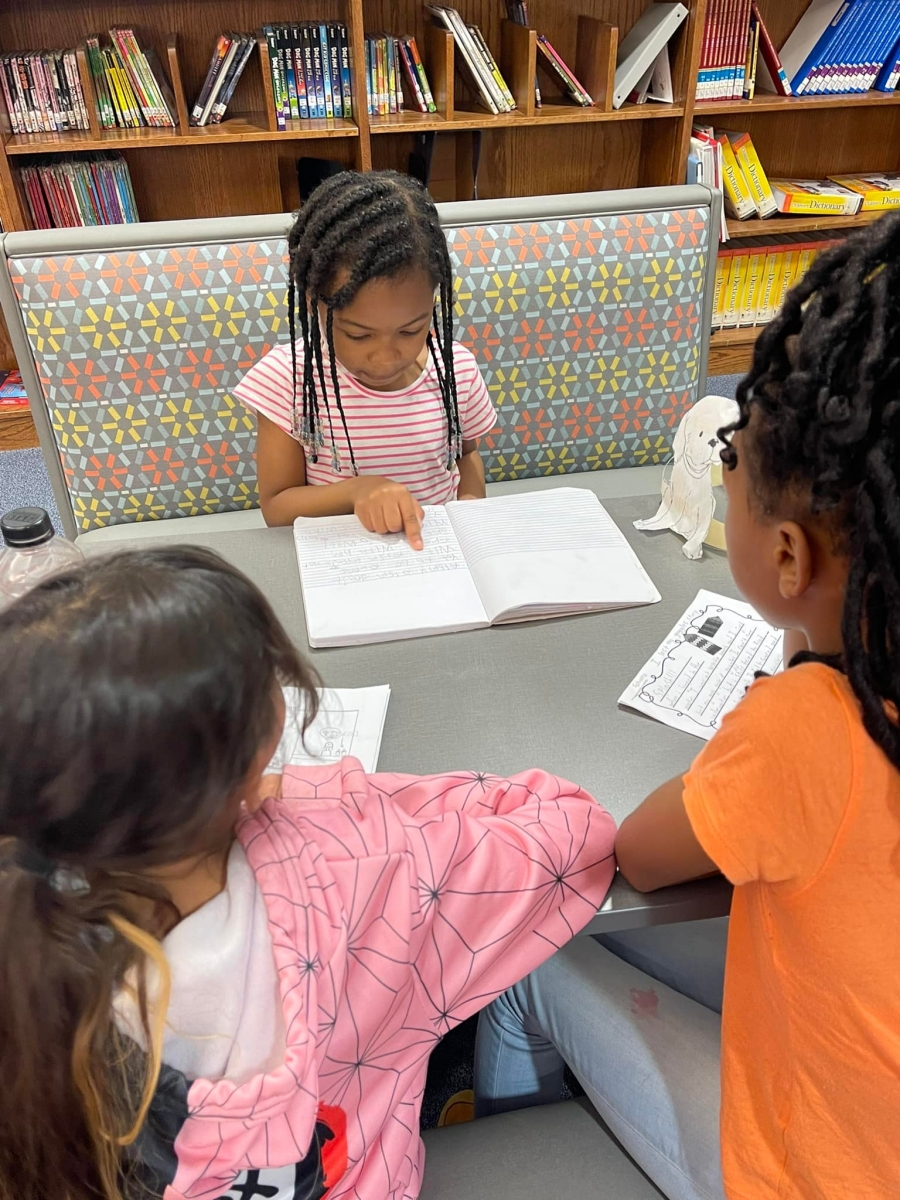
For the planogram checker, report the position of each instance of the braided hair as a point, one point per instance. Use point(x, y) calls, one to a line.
point(823, 393)
point(375, 225)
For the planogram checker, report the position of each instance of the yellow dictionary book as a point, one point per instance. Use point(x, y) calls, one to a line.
point(753, 280)
point(752, 170)
point(738, 201)
point(732, 308)
point(772, 280)
point(878, 191)
point(799, 196)
point(724, 263)
point(808, 252)
point(791, 269)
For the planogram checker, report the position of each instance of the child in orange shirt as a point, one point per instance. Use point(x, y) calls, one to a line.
point(796, 801)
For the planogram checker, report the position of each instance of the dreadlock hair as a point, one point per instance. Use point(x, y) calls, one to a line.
point(823, 393)
point(375, 226)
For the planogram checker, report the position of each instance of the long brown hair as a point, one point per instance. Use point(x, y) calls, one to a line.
point(137, 691)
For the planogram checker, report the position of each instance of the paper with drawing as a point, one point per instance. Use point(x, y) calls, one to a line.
point(705, 665)
point(350, 722)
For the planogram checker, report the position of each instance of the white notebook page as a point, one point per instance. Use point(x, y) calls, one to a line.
point(361, 587)
point(557, 551)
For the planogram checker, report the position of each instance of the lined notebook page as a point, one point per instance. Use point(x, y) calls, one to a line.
point(556, 551)
point(360, 586)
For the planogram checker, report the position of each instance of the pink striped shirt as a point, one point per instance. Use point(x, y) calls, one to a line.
point(400, 435)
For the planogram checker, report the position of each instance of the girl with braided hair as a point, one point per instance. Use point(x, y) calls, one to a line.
point(796, 800)
point(372, 408)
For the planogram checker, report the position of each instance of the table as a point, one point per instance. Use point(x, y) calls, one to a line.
point(540, 695)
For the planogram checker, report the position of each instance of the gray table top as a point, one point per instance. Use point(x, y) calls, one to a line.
point(539, 695)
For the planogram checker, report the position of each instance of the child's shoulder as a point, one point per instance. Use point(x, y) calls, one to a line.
point(810, 699)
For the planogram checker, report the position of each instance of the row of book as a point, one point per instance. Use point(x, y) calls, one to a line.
point(68, 193)
point(476, 60)
point(837, 47)
point(737, 54)
point(748, 191)
point(131, 90)
point(754, 276)
point(310, 67)
point(388, 61)
point(843, 46)
point(231, 55)
point(43, 92)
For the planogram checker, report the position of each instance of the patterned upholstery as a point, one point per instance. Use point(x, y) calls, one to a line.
point(588, 332)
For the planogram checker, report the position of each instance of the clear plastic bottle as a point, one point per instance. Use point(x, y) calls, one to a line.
point(33, 551)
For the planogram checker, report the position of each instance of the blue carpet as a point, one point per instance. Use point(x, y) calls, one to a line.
point(23, 479)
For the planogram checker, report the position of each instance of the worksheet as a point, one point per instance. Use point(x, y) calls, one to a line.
point(349, 723)
point(705, 665)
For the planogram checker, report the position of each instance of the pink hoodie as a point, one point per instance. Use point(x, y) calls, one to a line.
point(397, 907)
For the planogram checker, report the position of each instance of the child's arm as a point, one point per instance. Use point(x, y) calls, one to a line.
point(471, 473)
point(656, 846)
point(380, 504)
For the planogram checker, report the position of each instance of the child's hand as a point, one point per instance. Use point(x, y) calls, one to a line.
point(387, 507)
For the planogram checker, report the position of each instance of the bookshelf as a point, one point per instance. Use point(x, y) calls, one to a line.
point(246, 165)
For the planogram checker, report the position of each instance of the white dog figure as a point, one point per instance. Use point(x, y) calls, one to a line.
point(687, 504)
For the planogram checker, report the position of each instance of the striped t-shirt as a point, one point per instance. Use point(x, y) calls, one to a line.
point(399, 435)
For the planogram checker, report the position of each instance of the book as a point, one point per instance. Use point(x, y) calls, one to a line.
point(485, 562)
point(751, 289)
point(879, 191)
point(153, 99)
point(703, 142)
point(412, 47)
point(232, 79)
point(549, 58)
point(639, 50)
point(754, 275)
point(12, 391)
point(309, 65)
point(344, 57)
point(804, 196)
point(738, 197)
point(752, 172)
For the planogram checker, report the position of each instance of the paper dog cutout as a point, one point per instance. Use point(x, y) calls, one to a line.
point(687, 503)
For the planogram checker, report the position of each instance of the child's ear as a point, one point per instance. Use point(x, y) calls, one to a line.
point(793, 560)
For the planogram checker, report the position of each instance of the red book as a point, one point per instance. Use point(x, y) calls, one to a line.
point(771, 61)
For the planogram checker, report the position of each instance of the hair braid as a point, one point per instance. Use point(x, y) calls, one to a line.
point(372, 226)
point(824, 395)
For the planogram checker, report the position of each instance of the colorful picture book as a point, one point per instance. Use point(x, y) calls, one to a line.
point(754, 275)
point(12, 391)
point(476, 60)
point(131, 90)
point(310, 66)
point(230, 57)
point(68, 193)
point(43, 92)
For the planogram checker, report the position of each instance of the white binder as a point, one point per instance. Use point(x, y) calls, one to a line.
point(639, 50)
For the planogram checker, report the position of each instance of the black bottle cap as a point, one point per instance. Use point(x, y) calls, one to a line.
point(26, 527)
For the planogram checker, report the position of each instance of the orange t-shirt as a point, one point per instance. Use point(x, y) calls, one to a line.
point(801, 811)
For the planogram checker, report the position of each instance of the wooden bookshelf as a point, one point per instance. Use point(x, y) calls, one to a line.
point(247, 165)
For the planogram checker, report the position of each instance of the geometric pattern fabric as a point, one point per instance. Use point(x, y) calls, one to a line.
point(587, 331)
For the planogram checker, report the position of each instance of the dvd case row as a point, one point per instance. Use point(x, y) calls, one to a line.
point(68, 193)
point(310, 68)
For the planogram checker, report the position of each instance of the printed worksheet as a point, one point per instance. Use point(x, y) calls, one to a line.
point(705, 665)
point(349, 723)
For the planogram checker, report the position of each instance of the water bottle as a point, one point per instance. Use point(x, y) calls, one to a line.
point(33, 551)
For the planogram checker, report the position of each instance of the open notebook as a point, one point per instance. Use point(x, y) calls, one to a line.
point(485, 562)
